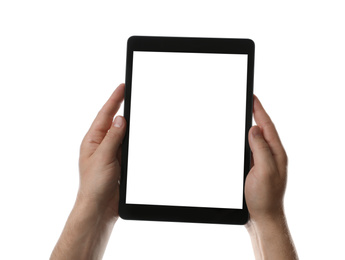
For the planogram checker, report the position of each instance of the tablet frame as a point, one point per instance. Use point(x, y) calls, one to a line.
point(187, 45)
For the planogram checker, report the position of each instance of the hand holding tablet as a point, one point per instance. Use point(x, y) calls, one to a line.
point(188, 106)
point(192, 146)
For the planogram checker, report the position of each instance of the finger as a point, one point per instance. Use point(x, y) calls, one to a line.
point(262, 155)
point(102, 122)
point(270, 133)
point(119, 154)
point(109, 147)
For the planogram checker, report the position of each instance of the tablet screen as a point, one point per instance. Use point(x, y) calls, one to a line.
point(187, 132)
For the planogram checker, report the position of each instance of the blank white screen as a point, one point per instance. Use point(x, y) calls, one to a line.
point(187, 129)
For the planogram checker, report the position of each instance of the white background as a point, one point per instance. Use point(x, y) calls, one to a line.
point(60, 61)
point(176, 156)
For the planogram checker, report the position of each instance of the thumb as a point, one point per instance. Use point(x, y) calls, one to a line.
point(113, 139)
point(262, 154)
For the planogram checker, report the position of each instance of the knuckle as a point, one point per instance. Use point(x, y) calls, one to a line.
point(270, 130)
point(262, 145)
point(285, 158)
point(283, 155)
point(114, 134)
point(267, 124)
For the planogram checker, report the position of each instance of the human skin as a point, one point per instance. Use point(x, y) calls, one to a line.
point(95, 211)
point(264, 190)
point(90, 223)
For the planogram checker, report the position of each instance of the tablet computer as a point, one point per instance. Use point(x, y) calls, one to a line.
point(188, 106)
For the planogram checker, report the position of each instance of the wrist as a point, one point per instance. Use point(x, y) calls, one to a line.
point(266, 225)
point(264, 218)
point(271, 237)
point(85, 234)
point(94, 211)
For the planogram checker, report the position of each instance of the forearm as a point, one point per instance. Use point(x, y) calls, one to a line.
point(85, 234)
point(271, 239)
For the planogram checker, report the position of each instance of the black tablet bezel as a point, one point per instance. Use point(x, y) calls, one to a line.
point(188, 45)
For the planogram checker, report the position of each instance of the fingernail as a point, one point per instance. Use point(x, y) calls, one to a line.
point(118, 121)
point(256, 131)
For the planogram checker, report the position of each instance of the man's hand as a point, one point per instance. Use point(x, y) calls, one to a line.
point(264, 191)
point(95, 212)
point(266, 181)
point(100, 157)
